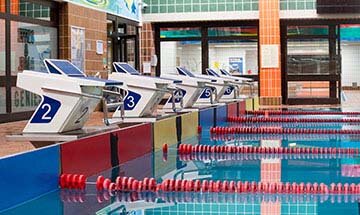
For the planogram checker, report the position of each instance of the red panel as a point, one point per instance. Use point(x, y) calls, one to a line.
point(134, 142)
point(232, 110)
point(242, 108)
point(86, 156)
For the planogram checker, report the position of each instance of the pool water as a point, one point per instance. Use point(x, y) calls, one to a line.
point(267, 168)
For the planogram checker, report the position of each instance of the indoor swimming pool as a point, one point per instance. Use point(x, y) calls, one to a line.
point(307, 167)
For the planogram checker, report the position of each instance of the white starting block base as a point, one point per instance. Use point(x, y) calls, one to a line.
point(56, 137)
point(225, 101)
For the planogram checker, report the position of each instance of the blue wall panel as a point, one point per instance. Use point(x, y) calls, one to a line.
point(26, 176)
point(221, 114)
point(206, 117)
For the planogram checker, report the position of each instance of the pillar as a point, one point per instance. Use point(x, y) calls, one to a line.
point(270, 65)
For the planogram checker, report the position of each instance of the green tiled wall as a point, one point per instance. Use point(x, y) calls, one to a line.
point(182, 6)
point(297, 4)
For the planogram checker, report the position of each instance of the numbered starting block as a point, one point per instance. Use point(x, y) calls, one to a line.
point(215, 90)
point(145, 93)
point(245, 81)
point(191, 88)
point(232, 92)
point(68, 98)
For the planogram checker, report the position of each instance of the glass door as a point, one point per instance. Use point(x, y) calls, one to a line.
point(126, 49)
point(312, 65)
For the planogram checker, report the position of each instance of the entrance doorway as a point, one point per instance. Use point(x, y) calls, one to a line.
point(122, 42)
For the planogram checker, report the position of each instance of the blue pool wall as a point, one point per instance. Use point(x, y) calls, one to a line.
point(29, 175)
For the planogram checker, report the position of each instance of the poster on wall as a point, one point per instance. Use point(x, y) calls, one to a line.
point(270, 56)
point(78, 47)
point(125, 8)
point(236, 64)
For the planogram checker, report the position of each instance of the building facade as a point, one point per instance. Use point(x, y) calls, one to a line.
point(299, 51)
point(92, 34)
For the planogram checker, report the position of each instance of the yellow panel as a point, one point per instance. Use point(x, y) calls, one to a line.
point(249, 104)
point(165, 132)
point(189, 124)
point(256, 103)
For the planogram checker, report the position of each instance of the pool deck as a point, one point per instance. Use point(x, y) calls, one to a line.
point(7, 148)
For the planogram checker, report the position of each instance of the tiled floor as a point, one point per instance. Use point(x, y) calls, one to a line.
point(351, 102)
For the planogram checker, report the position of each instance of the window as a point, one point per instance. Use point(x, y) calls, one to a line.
point(232, 31)
point(239, 57)
point(23, 100)
point(31, 10)
point(2, 100)
point(30, 45)
point(310, 56)
point(180, 53)
point(179, 32)
point(315, 30)
point(309, 89)
point(2, 47)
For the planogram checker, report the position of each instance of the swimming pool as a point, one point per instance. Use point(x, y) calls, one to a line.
point(267, 168)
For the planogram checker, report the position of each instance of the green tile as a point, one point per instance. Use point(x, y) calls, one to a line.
point(238, 7)
point(162, 9)
point(204, 8)
point(300, 6)
point(229, 7)
point(221, 7)
point(187, 1)
point(179, 8)
point(196, 8)
point(179, 1)
point(154, 9)
point(171, 1)
point(37, 13)
point(154, 2)
point(247, 6)
point(221, 1)
point(171, 9)
point(310, 5)
point(162, 2)
point(212, 7)
point(187, 8)
point(46, 13)
point(196, 1)
point(292, 5)
point(283, 6)
point(255, 6)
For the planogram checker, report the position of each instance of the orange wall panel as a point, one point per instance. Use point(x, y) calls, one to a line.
point(269, 33)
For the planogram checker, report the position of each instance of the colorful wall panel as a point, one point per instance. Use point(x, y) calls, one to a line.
point(28, 175)
point(189, 125)
point(242, 108)
point(207, 117)
point(232, 109)
point(165, 131)
point(221, 114)
point(256, 105)
point(249, 104)
point(86, 156)
point(133, 142)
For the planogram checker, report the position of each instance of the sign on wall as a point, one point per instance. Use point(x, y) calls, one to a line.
point(78, 47)
point(236, 64)
point(270, 56)
point(125, 8)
